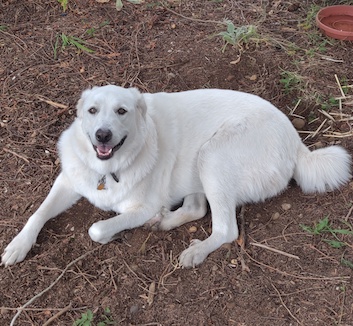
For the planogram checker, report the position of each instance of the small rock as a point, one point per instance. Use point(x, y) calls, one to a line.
point(192, 229)
point(286, 206)
point(298, 123)
point(275, 216)
point(234, 261)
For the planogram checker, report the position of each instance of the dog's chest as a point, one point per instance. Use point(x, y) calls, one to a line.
point(103, 191)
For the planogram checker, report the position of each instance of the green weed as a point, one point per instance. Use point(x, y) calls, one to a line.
point(318, 46)
point(237, 36)
point(3, 27)
point(291, 81)
point(329, 104)
point(324, 227)
point(92, 31)
point(347, 263)
point(63, 4)
point(309, 20)
point(85, 320)
point(67, 40)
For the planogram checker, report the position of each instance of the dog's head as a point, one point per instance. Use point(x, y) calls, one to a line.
point(110, 115)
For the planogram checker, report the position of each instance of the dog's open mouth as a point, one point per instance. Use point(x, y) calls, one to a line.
point(105, 152)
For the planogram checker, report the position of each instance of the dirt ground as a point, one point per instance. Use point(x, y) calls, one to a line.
point(172, 46)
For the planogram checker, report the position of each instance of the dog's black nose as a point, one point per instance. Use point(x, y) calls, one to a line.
point(103, 136)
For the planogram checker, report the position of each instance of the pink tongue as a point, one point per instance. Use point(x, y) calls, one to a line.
point(104, 150)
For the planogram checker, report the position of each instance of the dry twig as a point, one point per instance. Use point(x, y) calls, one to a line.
point(274, 250)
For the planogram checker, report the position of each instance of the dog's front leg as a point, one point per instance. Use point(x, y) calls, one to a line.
point(60, 198)
point(106, 231)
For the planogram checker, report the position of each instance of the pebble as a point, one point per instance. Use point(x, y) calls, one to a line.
point(275, 216)
point(234, 261)
point(298, 123)
point(286, 206)
point(192, 229)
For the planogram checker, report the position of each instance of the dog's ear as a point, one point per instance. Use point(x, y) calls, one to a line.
point(80, 102)
point(140, 102)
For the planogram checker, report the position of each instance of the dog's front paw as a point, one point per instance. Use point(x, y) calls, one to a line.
point(194, 255)
point(100, 233)
point(17, 249)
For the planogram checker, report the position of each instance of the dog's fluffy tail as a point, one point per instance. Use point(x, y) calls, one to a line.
point(324, 169)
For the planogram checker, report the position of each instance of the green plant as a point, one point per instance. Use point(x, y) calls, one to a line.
point(237, 35)
point(329, 104)
point(323, 226)
point(63, 4)
point(291, 80)
point(91, 31)
point(309, 20)
point(67, 40)
point(3, 27)
point(85, 320)
point(347, 263)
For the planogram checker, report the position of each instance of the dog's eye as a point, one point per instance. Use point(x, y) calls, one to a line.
point(121, 111)
point(92, 110)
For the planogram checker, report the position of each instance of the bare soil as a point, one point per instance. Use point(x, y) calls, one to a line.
point(172, 46)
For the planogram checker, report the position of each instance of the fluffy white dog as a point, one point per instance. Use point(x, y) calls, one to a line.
point(141, 154)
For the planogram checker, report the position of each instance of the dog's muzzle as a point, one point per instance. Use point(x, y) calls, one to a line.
point(105, 151)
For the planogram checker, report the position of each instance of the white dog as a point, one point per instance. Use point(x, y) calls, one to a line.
point(140, 154)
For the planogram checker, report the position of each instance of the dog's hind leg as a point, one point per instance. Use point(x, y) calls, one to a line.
point(194, 207)
point(220, 169)
point(224, 230)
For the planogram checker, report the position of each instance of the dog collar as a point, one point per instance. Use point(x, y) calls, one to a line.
point(103, 179)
